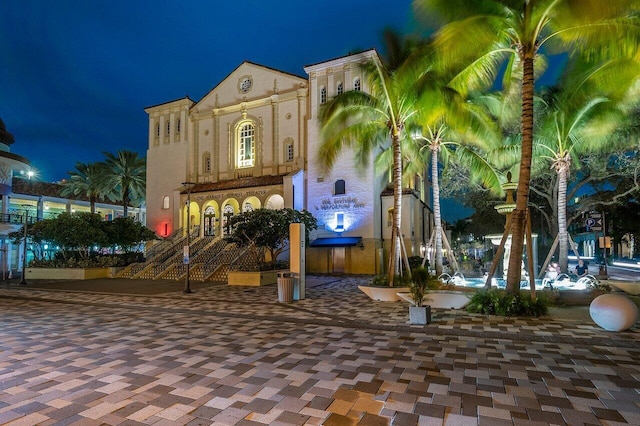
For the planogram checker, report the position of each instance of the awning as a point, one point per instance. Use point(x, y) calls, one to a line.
point(336, 242)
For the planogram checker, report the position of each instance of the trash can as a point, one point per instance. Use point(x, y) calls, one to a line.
point(285, 287)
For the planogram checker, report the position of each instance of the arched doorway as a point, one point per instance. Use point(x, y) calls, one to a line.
point(210, 221)
point(229, 208)
point(275, 202)
point(194, 220)
point(250, 204)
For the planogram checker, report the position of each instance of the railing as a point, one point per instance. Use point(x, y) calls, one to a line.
point(17, 218)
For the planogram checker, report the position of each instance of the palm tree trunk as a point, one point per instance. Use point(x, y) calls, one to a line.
point(394, 252)
point(125, 201)
point(92, 204)
point(522, 192)
point(435, 186)
point(563, 240)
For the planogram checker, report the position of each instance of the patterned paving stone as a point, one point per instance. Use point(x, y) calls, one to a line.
point(234, 356)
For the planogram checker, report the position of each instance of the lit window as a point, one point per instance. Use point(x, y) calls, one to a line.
point(247, 207)
point(356, 85)
point(339, 222)
point(206, 163)
point(390, 217)
point(246, 145)
point(165, 202)
point(323, 95)
point(339, 88)
point(339, 187)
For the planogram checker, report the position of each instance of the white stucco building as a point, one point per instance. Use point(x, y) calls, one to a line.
point(252, 142)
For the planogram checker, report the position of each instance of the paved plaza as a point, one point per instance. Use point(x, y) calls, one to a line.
point(235, 356)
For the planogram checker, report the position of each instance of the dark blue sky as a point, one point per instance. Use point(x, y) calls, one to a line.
point(75, 75)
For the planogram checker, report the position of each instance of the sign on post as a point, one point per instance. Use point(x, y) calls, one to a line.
point(594, 222)
point(604, 242)
point(185, 255)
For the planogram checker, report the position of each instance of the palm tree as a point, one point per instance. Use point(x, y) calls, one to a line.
point(485, 34)
point(576, 121)
point(453, 129)
point(126, 175)
point(367, 121)
point(86, 180)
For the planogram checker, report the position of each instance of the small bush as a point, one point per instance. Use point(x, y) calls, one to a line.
point(383, 281)
point(501, 303)
point(415, 262)
point(421, 281)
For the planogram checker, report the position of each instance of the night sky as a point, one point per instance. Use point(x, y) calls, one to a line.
point(75, 75)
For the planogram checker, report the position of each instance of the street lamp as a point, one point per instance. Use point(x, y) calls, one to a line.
point(186, 260)
point(23, 279)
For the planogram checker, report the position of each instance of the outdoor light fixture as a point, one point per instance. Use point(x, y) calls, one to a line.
point(186, 260)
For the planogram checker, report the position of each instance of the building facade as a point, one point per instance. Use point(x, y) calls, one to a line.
point(252, 142)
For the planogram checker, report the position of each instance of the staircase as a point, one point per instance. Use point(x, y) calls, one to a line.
point(210, 259)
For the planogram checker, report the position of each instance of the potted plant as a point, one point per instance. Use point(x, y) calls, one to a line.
point(419, 313)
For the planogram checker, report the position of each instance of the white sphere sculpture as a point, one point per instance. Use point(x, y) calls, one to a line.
point(613, 312)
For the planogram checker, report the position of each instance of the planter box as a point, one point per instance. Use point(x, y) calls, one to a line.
point(383, 294)
point(68, 273)
point(420, 315)
point(254, 279)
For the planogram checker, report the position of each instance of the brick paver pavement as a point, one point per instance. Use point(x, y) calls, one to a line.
point(234, 356)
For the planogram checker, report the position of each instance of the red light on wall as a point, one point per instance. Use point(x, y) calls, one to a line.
point(163, 229)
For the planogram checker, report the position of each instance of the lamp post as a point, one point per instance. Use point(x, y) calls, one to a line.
point(23, 279)
point(186, 259)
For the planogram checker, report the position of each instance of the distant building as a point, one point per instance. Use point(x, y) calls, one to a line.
point(252, 142)
point(25, 199)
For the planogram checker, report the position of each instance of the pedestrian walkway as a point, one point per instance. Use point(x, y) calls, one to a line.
point(120, 352)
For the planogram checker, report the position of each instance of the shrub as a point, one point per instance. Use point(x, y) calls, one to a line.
point(420, 284)
point(415, 262)
point(383, 281)
point(501, 303)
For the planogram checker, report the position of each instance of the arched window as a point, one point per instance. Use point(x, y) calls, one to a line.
point(165, 202)
point(206, 163)
point(339, 187)
point(247, 207)
point(339, 88)
point(356, 85)
point(246, 145)
point(323, 95)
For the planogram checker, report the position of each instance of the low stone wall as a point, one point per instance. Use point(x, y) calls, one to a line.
point(253, 279)
point(68, 273)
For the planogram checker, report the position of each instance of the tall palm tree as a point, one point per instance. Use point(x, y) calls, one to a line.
point(564, 135)
point(367, 121)
point(453, 128)
point(577, 121)
point(86, 180)
point(127, 177)
point(486, 34)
